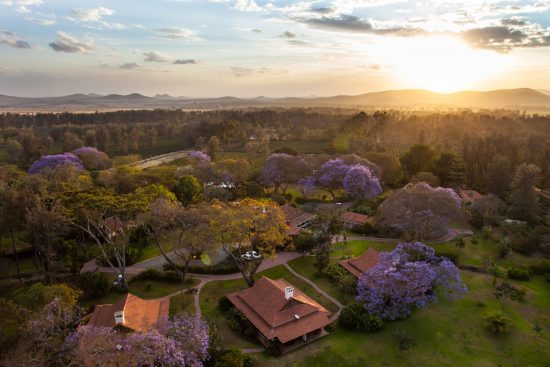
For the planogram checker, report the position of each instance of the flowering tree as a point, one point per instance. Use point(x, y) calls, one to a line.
point(92, 158)
point(281, 169)
point(408, 277)
point(52, 161)
point(358, 180)
point(419, 211)
point(184, 342)
point(200, 157)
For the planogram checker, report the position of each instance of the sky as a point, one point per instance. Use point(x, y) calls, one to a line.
point(272, 48)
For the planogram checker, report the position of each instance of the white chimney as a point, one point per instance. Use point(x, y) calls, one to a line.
point(119, 317)
point(289, 292)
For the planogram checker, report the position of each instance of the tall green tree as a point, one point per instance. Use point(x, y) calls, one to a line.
point(499, 176)
point(188, 190)
point(523, 198)
point(418, 158)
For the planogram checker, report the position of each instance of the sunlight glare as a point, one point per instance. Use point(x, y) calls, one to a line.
point(442, 63)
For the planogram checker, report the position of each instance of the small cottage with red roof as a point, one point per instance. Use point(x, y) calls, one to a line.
point(360, 265)
point(133, 313)
point(282, 315)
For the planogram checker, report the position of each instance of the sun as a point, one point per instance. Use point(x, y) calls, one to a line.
point(442, 63)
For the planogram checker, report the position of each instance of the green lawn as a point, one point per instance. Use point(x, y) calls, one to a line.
point(446, 334)
point(147, 289)
point(182, 303)
point(357, 247)
point(149, 252)
point(212, 292)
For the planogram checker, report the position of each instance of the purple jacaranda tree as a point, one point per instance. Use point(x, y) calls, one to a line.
point(282, 169)
point(411, 276)
point(419, 211)
point(184, 342)
point(199, 156)
point(93, 159)
point(52, 161)
point(358, 180)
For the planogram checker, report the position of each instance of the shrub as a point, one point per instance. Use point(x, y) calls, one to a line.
point(224, 304)
point(235, 357)
point(474, 241)
point(508, 290)
point(355, 317)
point(366, 229)
point(94, 285)
point(453, 256)
point(460, 243)
point(154, 274)
point(497, 322)
point(504, 247)
point(519, 273)
point(540, 267)
point(343, 279)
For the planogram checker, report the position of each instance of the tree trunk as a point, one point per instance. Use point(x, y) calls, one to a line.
point(169, 261)
point(16, 257)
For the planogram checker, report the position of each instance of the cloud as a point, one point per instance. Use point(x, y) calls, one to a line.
point(95, 16)
point(288, 34)
point(242, 5)
point(353, 24)
point(22, 5)
point(374, 67)
point(11, 39)
point(255, 30)
point(45, 22)
point(300, 43)
point(185, 62)
point(241, 72)
point(6, 71)
point(154, 56)
point(177, 33)
point(70, 44)
point(130, 66)
point(503, 38)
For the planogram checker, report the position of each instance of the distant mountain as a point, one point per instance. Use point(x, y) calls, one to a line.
point(544, 91)
point(501, 98)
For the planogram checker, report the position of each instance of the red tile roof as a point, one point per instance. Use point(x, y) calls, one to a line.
point(267, 308)
point(469, 196)
point(296, 216)
point(139, 314)
point(360, 265)
point(355, 218)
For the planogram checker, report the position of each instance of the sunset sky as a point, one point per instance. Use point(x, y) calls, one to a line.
point(272, 48)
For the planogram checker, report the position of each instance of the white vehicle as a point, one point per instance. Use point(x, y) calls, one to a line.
point(256, 255)
point(247, 255)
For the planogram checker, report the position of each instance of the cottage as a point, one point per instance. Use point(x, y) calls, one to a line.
point(469, 197)
point(351, 219)
point(133, 313)
point(283, 316)
point(360, 265)
point(296, 219)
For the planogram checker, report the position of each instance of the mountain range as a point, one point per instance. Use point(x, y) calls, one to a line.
point(410, 98)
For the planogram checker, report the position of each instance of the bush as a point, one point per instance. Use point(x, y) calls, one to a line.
point(460, 243)
point(235, 357)
point(154, 274)
point(343, 279)
point(474, 241)
point(94, 285)
point(355, 317)
point(510, 291)
point(540, 267)
point(224, 304)
point(519, 273)
point(497, 322)
point(453, 256)
point(366, 229)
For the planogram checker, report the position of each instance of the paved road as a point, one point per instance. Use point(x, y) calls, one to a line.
point(160, 159)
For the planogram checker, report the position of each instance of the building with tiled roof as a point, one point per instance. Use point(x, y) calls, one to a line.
point(296, 219)
point(469, 196)
point(281, 314)
point(360, 265)
point(132, 313)
point(351, 219)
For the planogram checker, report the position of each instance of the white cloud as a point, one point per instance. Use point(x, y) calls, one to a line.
point(70, 44)
point(21, 6)
point(242, 5)
point(154, 56)
point(95, 16)
point(6, 71)
point(39, 21)
point(177, 33)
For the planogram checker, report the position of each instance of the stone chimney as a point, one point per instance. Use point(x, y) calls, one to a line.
point(289, 292)
point(119, 317)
